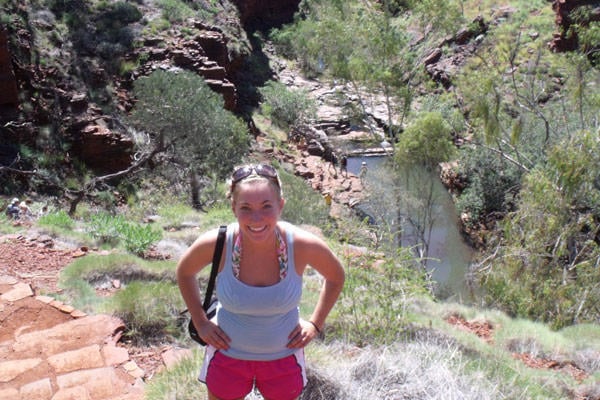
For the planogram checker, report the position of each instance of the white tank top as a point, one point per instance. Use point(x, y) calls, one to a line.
point(258, 319)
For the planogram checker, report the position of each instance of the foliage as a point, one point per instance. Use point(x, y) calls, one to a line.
point(138, 238)
point(302, 205)
point(175, 10)
point(492, 183)
point(105, 227)
point(372, 307)
point(420, 148)
point(120, 11)
point(587, 32)
point(286, 107)
point(109, 229)
point(149, 309)
point(445, 105)
point(426, 142)
point(445, 15)
point(58, 219)
point(104, 31)
point(555, 277)
point(361, 44)
point(181, 108)
point(513, 102)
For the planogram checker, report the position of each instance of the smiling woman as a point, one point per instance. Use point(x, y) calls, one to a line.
point(259, 286)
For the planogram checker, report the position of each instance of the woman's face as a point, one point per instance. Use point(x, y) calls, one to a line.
point(257, 207)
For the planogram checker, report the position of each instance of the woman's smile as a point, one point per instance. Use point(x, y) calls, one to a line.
point(257, 229)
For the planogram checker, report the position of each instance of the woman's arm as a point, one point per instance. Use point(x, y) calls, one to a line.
point(195, 258)
point(309, 250)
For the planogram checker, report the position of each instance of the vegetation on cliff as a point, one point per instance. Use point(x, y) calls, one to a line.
point(510, 105)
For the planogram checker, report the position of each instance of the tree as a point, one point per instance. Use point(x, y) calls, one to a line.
point(515, 113)
point(287, 108)
point(420, 148)
point(546, 265)
point(364, 45)
point(205, 138)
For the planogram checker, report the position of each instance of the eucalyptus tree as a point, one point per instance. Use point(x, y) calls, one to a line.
point(424, 144)
point(180, 109)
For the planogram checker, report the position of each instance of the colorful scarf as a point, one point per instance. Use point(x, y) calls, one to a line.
point(236, 255)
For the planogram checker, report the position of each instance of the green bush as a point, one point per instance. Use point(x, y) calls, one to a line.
point(286, 107)
point(372, 307)
point(138, 238)
point(425, 142)
point(110, 229)
point(150, 310)
point(59, 219)
point(175, 10)
point(302, 204)
point(105, 227)
point(492, 183)
point(546, 266)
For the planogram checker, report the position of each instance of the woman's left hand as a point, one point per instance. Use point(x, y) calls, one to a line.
point(302, 335)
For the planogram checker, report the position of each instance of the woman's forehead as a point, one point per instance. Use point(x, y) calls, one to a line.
point(255, 189)
point(255, 185)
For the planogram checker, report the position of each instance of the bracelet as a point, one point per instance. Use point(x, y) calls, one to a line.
point(315, 325)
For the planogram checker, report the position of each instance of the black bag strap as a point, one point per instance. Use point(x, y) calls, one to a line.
point(215, 266)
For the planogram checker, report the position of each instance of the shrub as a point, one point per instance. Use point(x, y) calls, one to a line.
point(105, 227)
point(59, 219)
point(175, 10)
point(372, 308)
point(286, 107)
point(138, 238)
point(425, 142)
point(492, 186)
point(546, 265)
point(110, 229)
point(149, 310)
point(302, 205)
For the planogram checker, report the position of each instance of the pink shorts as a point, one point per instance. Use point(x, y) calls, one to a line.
point(230, 378)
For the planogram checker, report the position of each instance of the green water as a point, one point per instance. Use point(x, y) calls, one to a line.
point(449, 254)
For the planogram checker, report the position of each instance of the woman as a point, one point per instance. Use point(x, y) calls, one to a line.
point(257, 338)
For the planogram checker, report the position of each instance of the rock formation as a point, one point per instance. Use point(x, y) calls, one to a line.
point(566, 39)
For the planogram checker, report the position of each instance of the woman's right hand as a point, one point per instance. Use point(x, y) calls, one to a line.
point(212, 334)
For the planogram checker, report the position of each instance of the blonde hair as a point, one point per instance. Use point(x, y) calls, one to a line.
point(253, 178)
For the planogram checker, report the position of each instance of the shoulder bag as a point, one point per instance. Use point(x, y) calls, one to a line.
point(210, 302)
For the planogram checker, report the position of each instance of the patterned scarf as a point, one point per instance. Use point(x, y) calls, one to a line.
point(282, 256)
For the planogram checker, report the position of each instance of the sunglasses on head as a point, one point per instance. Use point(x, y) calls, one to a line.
point(264, 170)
